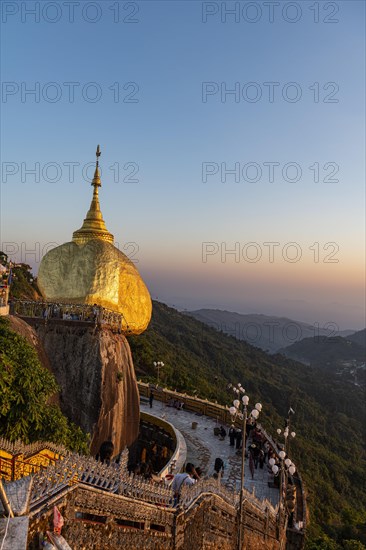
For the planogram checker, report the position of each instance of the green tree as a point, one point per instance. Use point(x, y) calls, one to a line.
point(322, 543)
point(26, 389)
point(23, 285)
point(353, 545)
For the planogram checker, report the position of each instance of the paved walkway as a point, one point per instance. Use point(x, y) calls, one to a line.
point(203, 447)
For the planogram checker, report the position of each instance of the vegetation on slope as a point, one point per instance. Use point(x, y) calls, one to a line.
point(358, 337)
point(329, 417)
point(23, 284)
point(325, 352)
point(26, 389)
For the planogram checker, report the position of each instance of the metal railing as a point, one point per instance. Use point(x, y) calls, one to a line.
point(63, 311)
point(112, 478)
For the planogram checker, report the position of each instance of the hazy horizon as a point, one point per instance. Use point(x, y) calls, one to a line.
point(232, 150)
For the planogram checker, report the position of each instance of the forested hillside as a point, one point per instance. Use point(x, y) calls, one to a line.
point(325, 352)
point(329, 416)
point(358, 337)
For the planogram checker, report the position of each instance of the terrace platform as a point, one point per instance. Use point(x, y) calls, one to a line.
point(203, 447)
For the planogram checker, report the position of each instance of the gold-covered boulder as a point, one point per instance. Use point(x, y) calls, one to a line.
point(91, 270)
point(96, 272)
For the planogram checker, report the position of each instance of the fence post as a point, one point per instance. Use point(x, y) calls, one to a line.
point(5, 501)
point(266, 524)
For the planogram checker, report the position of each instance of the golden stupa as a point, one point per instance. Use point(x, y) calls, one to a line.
point(91, 270)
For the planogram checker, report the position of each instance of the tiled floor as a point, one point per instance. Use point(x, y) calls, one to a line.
point(203, 447)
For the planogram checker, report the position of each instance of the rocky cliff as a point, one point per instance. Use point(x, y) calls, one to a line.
point(95, 371)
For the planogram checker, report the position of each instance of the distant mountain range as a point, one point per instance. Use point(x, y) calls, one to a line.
point(325, 352)
point(263, 331)
point(358, 337)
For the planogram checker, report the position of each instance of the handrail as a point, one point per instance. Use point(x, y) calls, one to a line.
point(27, 449)
point(213, 410)
point(66, 311)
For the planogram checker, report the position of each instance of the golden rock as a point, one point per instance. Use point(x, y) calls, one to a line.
point(91, 270)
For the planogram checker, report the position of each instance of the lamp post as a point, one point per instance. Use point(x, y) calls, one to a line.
point(285, 462)
point(239, 410)
point(286, 467)
point(158, 365)
point(286, 434)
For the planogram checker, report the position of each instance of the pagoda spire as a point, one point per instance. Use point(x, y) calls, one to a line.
point(94, 225)
point(96, 180)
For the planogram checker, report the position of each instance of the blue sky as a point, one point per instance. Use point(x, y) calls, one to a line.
point(169, 132)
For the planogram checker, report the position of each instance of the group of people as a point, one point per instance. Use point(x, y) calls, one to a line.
point(55, 311)
point(221, 432)
point(235, 437)
point(153, 458)
point(171, 403)
point(176, 404)
point(259, 451)
point(143, 469)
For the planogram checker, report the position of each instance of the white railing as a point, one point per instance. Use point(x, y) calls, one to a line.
point(112, 478)
point(18, 447)
point(190, 493)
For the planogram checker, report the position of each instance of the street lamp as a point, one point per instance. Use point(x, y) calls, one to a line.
point(239, 410)
point(286, 434)
point(282, 455)
point(286, 467)
point(158, 365)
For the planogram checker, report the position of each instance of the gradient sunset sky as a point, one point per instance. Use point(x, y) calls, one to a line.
point(149, 62)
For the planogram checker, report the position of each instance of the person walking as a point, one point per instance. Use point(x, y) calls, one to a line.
point(261, 458)
point(232, 435)
point(105, 452)
point(219, 468)
point(254, 451)
point(151, 398)
point(239, 437)
point(186, 478)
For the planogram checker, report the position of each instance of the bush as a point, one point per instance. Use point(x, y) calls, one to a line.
point(25, 391)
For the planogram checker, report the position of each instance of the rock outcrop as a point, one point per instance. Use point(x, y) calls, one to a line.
point(95, 372)
point(91, 270)
point(25, 330)
point(96, 272)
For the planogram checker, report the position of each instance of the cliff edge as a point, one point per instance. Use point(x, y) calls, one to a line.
point(95, 372)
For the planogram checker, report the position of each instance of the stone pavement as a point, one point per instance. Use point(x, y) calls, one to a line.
point(203, 447)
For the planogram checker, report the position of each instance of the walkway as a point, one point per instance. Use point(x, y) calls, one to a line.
point(203, 447)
